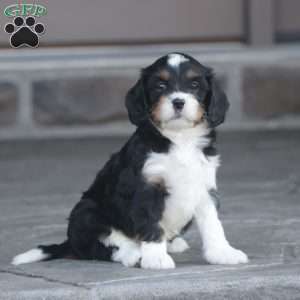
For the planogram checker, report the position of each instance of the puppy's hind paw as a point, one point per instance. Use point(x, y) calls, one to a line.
point(178, 245)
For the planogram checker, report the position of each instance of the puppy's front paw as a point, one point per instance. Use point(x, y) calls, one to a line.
point(163, 261)
point(226, 255)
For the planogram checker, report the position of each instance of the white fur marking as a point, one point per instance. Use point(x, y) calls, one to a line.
point(129, 250)
point(178, 245)
point(185, 171)
point(30, 256)
point(175, 59)
point(188, 176)
point(216, 248)
point(155, 256)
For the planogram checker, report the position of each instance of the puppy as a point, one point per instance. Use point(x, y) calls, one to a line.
point(162, 179)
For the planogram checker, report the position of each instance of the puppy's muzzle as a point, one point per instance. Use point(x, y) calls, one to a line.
point(178, 104)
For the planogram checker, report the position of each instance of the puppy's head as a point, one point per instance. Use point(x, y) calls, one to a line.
point(176, 92)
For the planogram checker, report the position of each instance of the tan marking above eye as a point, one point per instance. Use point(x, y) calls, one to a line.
point(192, 74)
point(164, 75)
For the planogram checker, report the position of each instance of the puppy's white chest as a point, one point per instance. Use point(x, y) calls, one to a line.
point(184, 171)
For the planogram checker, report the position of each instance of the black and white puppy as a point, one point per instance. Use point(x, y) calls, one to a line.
point(164, 177)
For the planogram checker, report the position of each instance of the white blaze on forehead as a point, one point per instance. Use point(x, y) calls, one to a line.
point(175, 59)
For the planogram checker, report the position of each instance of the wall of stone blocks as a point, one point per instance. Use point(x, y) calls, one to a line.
point(68, 91)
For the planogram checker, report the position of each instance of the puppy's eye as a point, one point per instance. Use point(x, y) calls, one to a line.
point(194, 84)
point(161, 85)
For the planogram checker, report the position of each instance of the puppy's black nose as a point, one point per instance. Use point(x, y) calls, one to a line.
point(178, 104)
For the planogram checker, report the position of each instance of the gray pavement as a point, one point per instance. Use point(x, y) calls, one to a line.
point(41, 180)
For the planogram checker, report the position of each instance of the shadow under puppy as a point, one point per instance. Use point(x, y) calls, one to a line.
point(162, 179)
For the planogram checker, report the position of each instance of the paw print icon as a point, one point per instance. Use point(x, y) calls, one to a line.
point(24, 32)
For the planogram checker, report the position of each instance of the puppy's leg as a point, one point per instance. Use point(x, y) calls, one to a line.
point(127, 252)
point(179, 244)
point(85, 227)
point(155, 256)
point(146, 215)
point(216, 248)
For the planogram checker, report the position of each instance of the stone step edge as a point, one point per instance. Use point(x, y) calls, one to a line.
point(124, 129)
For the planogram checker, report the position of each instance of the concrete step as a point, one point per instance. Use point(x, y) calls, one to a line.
point(40, 181)
point(47, 89)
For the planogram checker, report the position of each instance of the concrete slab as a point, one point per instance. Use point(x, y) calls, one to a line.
point(41, 180)
point(17, 286)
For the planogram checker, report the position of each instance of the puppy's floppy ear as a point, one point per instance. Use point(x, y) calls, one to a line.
point(136, 103)
point(217, 103)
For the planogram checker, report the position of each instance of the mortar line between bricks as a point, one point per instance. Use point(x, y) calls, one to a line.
point(29, 275)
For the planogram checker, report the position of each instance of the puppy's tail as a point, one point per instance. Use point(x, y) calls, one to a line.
point(43, 253)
